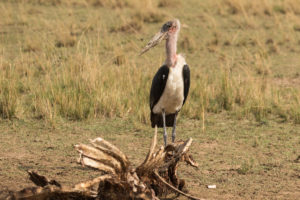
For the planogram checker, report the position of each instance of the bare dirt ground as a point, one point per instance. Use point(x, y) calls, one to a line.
point(245, 160)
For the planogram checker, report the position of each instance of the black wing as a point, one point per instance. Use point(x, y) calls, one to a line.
point(186, 81)
point(158, 85)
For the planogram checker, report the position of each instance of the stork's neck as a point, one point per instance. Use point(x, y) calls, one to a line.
point(171, 48)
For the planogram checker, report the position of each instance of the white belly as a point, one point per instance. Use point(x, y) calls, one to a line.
point(173, 95)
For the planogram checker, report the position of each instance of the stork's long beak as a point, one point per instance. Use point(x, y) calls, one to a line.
point(158, 37)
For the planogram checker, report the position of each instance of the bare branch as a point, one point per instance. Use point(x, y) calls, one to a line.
point(152, 147)
point(50, 192)
point(98, 156)
point(88, 184)
point(175, 189)
point(97, 165)
point(180, 151)
point(111, 150)
point(184, 147)
point(153, 160)
point(189, 160)
point(41, 180)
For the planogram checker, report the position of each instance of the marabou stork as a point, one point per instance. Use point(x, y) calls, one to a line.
point(171, 83)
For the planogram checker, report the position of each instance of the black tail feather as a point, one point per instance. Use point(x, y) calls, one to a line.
point(156, 119)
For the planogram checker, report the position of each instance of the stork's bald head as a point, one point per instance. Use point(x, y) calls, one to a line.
point(169, 28)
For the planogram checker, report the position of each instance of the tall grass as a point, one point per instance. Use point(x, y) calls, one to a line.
point(86, 65)
point(8, 95)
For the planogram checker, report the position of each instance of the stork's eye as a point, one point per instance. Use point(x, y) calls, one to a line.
point(167, 26)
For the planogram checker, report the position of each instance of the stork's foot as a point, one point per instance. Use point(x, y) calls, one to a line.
point(165, 137)
point(165, 128)
point(174, 128)
point(174, 133)
point(173, 139)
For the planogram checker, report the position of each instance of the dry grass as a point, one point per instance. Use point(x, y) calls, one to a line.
point(169, 3)
point(150, 16)
point(78, 60)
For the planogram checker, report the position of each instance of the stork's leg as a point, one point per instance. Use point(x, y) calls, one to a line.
point(165, 128)
point(174, 128)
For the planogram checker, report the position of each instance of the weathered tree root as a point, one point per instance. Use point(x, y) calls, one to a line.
point(154, 178)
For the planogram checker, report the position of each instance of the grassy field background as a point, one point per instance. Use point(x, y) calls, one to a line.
point(70, 70)
point(79, 59)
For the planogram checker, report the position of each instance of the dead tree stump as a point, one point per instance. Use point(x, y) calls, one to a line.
point(154, 178)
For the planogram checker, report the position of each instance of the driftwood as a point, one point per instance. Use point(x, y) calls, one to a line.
point(154, 178)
